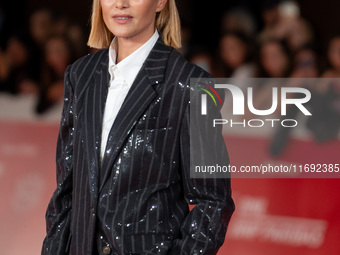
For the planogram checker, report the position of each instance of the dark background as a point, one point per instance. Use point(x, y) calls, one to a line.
point(202, 16)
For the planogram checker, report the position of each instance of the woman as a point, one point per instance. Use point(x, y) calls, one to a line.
point(274, 59)
point(236, 55)
point(57, 56)
point(333, 58)
point(123, 147)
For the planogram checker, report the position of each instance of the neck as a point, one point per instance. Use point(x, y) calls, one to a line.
point(128, 45)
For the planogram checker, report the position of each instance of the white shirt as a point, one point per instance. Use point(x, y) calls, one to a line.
point(123, 75)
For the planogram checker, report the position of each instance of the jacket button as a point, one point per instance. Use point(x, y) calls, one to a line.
point(106, 250)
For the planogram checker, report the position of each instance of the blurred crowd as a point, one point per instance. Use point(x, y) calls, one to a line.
point(33, 60)
point(287, 46)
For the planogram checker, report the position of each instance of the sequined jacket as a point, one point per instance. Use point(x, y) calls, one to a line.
point(136, 200)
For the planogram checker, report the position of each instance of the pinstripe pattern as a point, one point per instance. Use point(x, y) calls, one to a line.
point(136, 202)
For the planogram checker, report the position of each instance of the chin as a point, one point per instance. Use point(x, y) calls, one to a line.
point(122, 34)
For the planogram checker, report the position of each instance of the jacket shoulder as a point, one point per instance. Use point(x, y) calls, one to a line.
point(86, 64)
point(185, 69)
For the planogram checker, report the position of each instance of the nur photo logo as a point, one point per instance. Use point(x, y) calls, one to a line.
point(241, 102)
point(212, 93)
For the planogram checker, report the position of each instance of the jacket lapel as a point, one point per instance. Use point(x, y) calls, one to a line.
point(94, 102)
point(139, 97)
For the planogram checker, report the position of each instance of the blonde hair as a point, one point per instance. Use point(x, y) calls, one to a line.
point(167, 23)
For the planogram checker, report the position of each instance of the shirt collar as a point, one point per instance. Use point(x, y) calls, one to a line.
point(129, 67)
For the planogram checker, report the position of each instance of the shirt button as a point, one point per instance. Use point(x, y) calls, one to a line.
point(106, 250)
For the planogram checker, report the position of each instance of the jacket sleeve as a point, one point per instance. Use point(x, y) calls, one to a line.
point(204, 228)
point(58, 214)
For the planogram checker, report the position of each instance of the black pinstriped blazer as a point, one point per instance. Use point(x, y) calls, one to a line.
point(136, 201)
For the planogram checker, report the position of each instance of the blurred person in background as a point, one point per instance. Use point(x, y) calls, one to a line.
point(282, 21)
point(295, 29)
point(306, 66)
point(58, 54)
point(41, 26)
point(17, 74)
point(62, 25)
point(333, 58)
point(235, 60)
point(299, 34)
point(239, 20)
point(274, 59)
point(76, 36)
point(306, 63)
point(325, 102)
point(271, 19)
point(236, 55)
